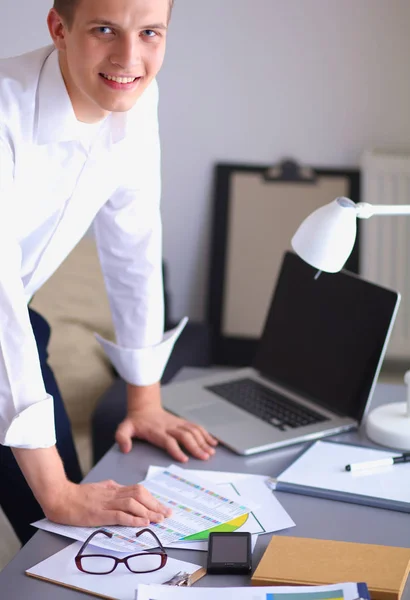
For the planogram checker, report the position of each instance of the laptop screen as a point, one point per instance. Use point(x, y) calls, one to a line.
point(324, 338)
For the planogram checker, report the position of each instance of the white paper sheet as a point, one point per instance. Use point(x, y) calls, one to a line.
point(119, 585)
point(268, 517)
point(197, 505)
point(346, 591)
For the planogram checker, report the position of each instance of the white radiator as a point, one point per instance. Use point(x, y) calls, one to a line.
point(385, 241)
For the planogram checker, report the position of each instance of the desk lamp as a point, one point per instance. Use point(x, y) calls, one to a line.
point(325, 240)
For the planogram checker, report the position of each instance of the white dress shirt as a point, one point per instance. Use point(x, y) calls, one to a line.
point(56, 178)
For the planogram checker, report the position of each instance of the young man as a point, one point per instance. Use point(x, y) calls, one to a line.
point(79, 143)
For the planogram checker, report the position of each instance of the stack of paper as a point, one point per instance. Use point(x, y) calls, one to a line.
point(202, 501)
point(267, 516)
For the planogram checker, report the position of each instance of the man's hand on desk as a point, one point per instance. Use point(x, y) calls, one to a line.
point(105, 503)
point(86, 504)
point(147, 420)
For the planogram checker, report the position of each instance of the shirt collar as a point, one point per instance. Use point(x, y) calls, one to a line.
point(56, 118)
point(119, 126)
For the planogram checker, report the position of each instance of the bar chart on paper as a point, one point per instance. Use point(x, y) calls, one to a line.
point(268, 516)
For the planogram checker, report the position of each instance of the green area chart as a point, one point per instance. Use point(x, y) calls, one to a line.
point(229, 526)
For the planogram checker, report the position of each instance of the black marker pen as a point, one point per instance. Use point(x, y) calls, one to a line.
point(381, 462)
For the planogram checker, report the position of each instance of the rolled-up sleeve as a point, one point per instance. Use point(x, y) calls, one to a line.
point(128, 233)
point(26, 410)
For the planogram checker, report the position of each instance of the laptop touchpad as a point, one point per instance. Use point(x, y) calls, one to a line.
point(215, 414)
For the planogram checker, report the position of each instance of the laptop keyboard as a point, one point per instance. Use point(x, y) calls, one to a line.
point(266, 404)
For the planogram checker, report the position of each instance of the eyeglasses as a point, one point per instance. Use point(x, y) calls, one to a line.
point(102, 564)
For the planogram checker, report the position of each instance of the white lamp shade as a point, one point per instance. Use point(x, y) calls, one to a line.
point(326, 237)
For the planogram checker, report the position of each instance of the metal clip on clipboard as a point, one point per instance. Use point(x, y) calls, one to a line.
point(288, 170)
point(183, 579)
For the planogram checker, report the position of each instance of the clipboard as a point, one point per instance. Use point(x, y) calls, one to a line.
point(256, 211)
point(60, 569)
point(320, 472)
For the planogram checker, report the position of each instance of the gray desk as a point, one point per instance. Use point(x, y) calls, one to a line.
point(316, 518)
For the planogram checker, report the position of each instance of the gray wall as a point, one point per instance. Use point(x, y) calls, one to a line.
point(253, 81)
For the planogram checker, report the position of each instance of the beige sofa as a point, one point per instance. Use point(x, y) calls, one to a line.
point(75, 303)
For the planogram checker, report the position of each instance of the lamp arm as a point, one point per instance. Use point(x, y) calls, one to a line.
point(366, 210)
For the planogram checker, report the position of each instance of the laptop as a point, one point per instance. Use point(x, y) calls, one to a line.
point(315, 368)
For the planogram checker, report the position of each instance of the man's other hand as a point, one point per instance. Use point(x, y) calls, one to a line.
point(161, 428)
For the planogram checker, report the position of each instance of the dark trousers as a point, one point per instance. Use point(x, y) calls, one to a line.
point(16, 498)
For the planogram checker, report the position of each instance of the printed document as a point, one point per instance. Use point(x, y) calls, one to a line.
point(268, 517)
point(196, 503)
point(339, 591)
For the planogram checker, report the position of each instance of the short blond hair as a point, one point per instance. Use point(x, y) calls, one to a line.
point(66, 9)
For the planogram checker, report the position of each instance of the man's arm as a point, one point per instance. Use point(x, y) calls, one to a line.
point(128, 234)
point(93, 504)
point(26, 410)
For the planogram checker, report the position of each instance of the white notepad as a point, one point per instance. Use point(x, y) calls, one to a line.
point(320, 471)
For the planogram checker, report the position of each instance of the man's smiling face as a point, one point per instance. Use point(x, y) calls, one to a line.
point(111, 53)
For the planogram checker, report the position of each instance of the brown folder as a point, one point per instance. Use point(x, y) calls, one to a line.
point(305, 561)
